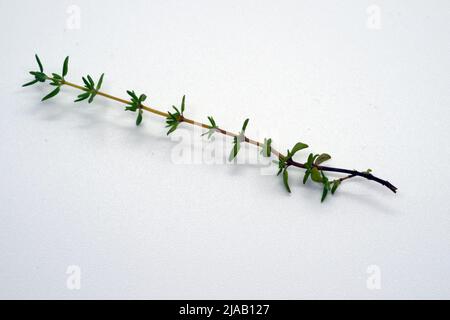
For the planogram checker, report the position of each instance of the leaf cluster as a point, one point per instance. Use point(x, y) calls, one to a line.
point(56, 80)
point(284, 163)
point(212, 127)
point(175, 118)
point(237, 140)
point(90, 88)
point(39, 76)
point(318, 176)
point(135, 105)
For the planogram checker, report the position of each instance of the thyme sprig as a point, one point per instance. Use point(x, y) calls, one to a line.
point(313, 166)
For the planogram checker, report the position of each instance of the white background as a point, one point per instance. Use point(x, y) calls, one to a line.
point(81, 185)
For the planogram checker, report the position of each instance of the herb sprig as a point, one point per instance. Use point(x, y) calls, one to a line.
point(313, 165)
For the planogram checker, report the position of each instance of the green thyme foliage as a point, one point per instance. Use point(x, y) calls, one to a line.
point(237, 140)
point(135, 105)
point(322, 158)
point(51, 94)
point(315, 175)
point(56, 79)
point(65, 67)
point(266, 148)
point(284, 163)
point(174, 119)
point(39, 76)
point(283, 168)
point(90, 88)
point(309, 167)
point(212, 128)
point(336, 184)
point(286, 180)
point(326, 186)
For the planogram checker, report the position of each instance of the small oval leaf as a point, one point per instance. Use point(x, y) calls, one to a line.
point(315, 175)
point(322, 158)
point(298, 146)
point(65, 67)
point(51, 94)
point(139, 117)
point(324, 193)
point(286, 180)
point(336, 184)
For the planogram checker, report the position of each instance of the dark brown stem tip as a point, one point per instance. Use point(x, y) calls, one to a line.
point(385, 183)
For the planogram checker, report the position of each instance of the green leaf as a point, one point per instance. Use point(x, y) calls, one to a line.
point(310, 160)
point(235, 150)
point(279, 171)
point(213, 122)
point(142, 97)
point(39, 76)
point(325, 179)
point(83, 96)
point(30, 83)
point(322, 158)
point(51, 94)
point(93, 94)
point(41, 68)
point(307, 174)
point(91, 82)
point(244, 127)
point(286, 180)
point(86, 83)
point(132, 94)
point(100, 82)
point(139, 117)
point(182, 104)
point(56, 76)
point(177, 112)
point(172, 128)
point(267, 147)
point(315, 175)
point(324, 193)
point(65, 67)
point(299, 146)
point(336, 184)
point(131, 108)
point(212, 128)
